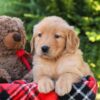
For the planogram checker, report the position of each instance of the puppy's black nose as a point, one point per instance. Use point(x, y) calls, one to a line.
point(17, 37)
point(45, 49)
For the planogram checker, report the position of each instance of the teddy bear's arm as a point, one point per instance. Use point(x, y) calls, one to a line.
point(29, 76)
point(4, 76)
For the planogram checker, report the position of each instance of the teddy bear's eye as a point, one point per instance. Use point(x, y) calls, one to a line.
point(39, 35)
point(57, 36)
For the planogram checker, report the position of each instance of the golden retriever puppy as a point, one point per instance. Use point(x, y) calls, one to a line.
point(58, 62)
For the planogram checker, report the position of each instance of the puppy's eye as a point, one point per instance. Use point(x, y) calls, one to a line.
point(57, 36)
point(39, 35)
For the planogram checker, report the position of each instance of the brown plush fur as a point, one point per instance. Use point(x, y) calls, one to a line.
point(14, 69)
point(63, 64)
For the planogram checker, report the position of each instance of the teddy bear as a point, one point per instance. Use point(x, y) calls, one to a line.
point(12, 40)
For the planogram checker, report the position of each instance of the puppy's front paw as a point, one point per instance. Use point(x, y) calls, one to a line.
point(45, 85)
point(63, 87)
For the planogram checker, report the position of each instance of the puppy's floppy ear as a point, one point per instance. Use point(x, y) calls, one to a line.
point(32, 43)
point(72, 41)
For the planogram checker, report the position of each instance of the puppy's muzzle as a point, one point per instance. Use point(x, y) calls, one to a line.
point(17, 37)
point(45, 49)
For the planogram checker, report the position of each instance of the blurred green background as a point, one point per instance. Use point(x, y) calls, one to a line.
point(84, 15)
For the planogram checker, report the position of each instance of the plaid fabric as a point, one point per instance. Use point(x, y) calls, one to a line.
point(84, 90)
point(21, 90)
point(18, 90)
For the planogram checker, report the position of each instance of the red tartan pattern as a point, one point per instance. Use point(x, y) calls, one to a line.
point(21, 90)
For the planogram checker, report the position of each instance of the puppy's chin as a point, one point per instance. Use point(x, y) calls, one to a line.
point(47, 56)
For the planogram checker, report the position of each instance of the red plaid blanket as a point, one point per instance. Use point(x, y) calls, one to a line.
point(86, 89)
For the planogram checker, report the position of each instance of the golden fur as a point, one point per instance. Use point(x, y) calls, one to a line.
point(63, 65)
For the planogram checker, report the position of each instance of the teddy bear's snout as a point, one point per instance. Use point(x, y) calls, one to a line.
point(17, 37)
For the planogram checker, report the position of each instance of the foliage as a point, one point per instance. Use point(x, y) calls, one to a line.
point(83, 14)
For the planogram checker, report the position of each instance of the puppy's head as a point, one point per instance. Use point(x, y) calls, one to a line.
point(12, 33)
point(52, 37)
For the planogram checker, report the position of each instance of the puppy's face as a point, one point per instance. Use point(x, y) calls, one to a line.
point(49, 43)
point(50, 38)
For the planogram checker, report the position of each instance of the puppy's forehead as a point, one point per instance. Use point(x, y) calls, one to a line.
point(53, 23)
point(50, 27)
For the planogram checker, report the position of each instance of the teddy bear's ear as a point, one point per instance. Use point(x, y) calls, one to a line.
point(18, 21)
